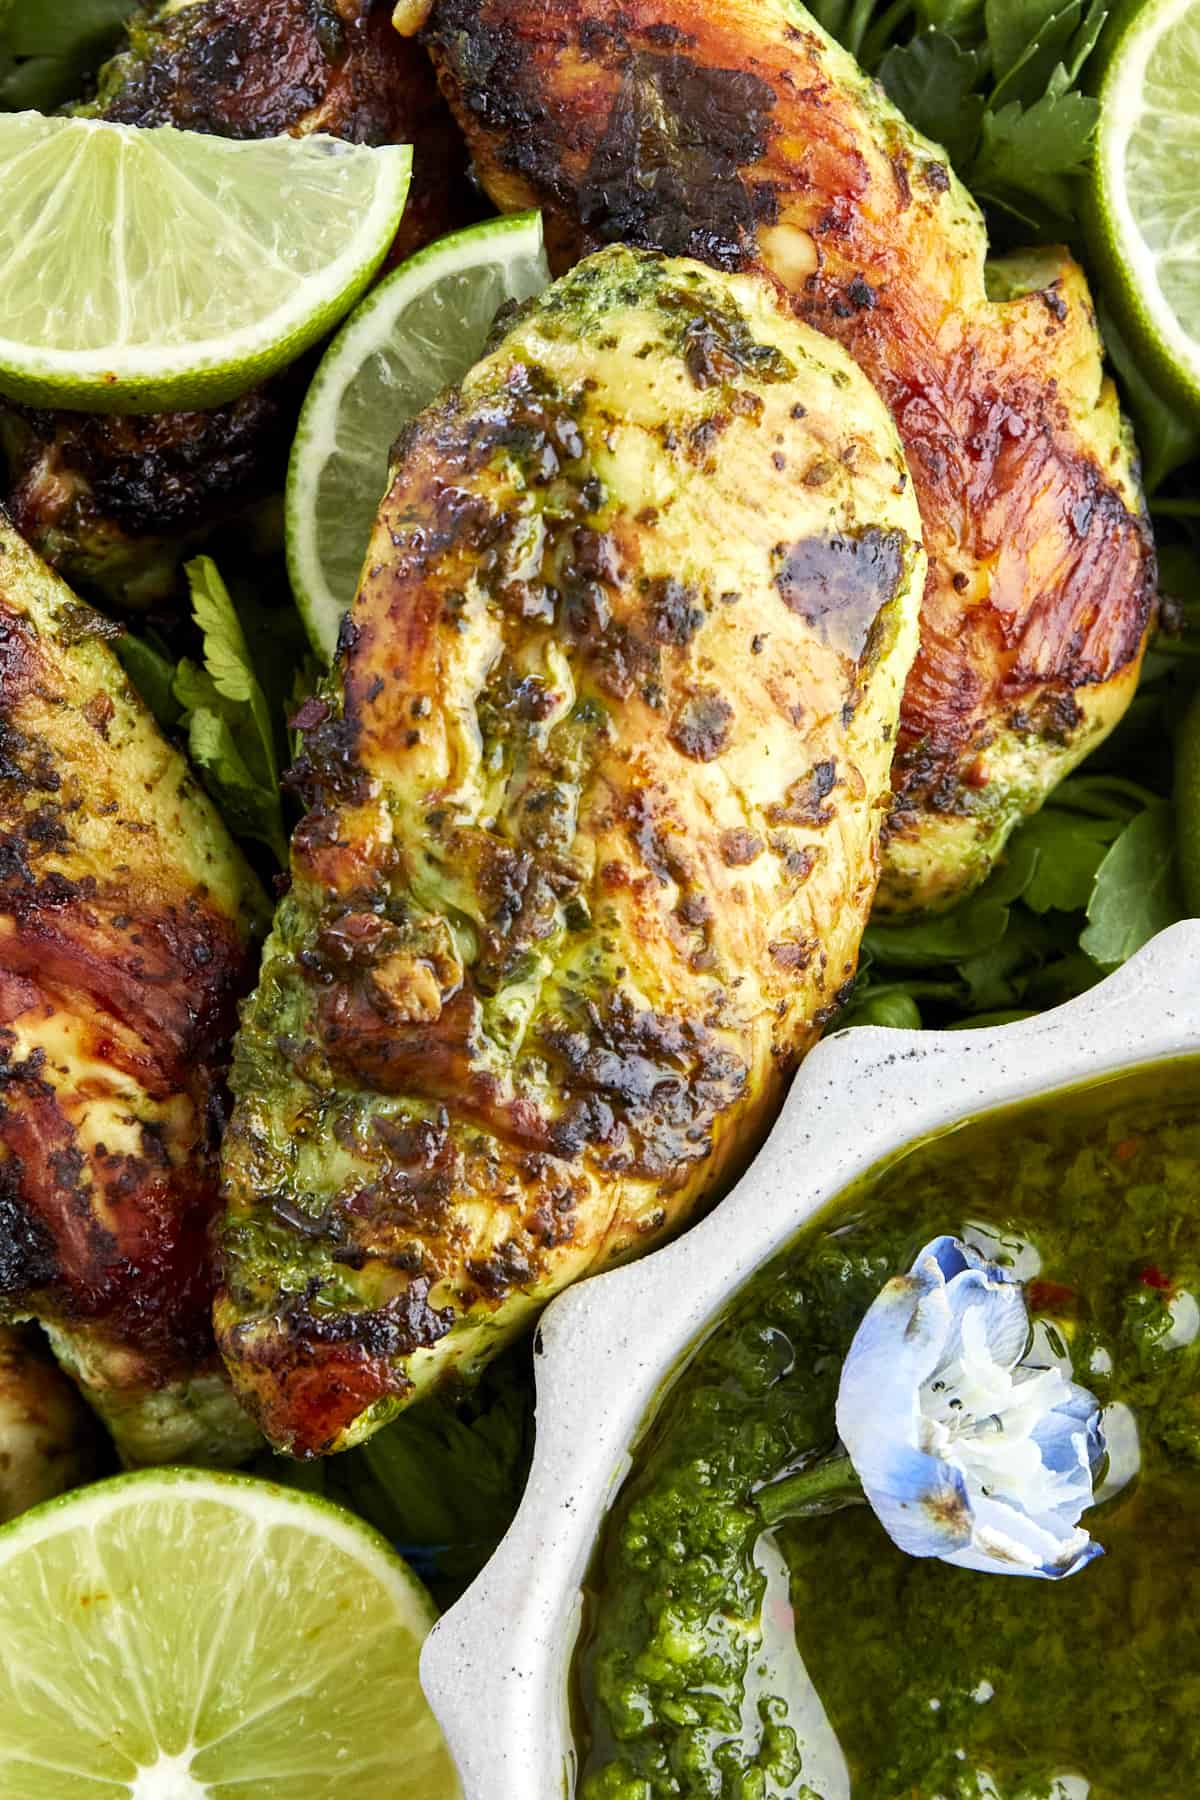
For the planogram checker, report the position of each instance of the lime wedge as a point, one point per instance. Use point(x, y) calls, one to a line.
point(146, 270)
point(1145, 214)
point(419, 330)
point(177, 1635)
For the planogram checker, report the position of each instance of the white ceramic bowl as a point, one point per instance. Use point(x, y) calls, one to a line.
point(496, 1667)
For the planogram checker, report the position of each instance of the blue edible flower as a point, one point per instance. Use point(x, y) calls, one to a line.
point(964, 1449)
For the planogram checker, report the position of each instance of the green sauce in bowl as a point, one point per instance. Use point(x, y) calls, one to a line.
point(817, 1662)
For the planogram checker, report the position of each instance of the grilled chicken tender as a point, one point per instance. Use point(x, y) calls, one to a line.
point(742, 134)
point(592, 833)
point(127, 919)
point(47, 1436)
point(116, 503)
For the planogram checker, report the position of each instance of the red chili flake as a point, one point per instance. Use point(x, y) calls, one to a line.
point(1126, 1148)
point(1154, 1278)
point(1050, 1296)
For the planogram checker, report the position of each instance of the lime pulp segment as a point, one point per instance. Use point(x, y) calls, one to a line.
point(420, 330)
point(1148, 184)
point(145, 269)
point(178, 1635)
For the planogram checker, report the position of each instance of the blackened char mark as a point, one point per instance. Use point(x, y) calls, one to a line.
point(840, 584)
point(235, 68)
point(804, 802)
point(28, 1262)
point(700, 729)
point(407, 1323)
point(666, 175)
point(646, 1088)
point(156, 472)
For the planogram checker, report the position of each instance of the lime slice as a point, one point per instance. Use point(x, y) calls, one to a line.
point(419, 330)
point(145, 270)
point(177, 1635)
point(1147, 177)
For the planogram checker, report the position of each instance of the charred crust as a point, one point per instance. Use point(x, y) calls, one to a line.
point(249, 71)
point(497, 1275)
point(667, 171)
point(383, 1335)
point(793, 954)
point(701, 728)
point(804, 803)
point(646, 1088)
point(326, 772)
point(28, 1259)
point(739, 848)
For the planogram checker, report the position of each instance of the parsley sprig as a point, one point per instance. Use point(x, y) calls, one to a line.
point(994, 81)
point(222, 701)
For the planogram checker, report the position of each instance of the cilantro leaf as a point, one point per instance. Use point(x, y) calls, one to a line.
point(151, 668)
point(1028, 39)
point(933, 81)
point(1033, 149)
point(226, 653)
point(966, 930)
point(1136, 892)
point(995, 83)
point(959, 17)
point(1071, 846)
point(230, 732)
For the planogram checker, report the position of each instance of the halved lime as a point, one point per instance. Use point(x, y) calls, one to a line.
point(419, 330)
point(144, 270)
point(1145, 210)
point(178, 1635)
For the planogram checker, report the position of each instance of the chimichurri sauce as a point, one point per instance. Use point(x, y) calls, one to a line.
point(709, 1669)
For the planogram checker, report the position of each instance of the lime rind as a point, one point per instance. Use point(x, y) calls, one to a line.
point(224, 259)
point(1145, 209)
point(420, 330)
point(267, 1502)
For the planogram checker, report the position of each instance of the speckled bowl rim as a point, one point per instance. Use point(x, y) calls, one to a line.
point(496, 1667)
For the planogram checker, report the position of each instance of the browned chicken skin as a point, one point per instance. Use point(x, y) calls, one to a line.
point(116, 502)
point(740, 134)
point(127, 926)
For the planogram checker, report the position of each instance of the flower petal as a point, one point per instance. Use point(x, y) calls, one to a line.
point(1063, 1443)
point(999, 1320)
point(1006, 1541)
point(1084, 1407)
point(950, 1254)
point(966, 1451)
point(954, 1256)
point(920, 1502)
point(895, 1347)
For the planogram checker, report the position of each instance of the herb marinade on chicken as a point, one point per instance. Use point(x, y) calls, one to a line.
point(594, 805)
point(742, 134)
point(116, 503)
point(127, 926)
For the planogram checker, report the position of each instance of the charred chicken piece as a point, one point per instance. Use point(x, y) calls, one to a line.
point(116, 503)
point(740, 133)
point(127, 923)
point(594, 811)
